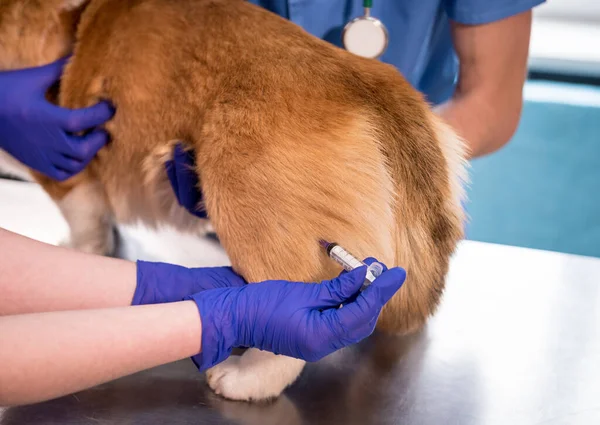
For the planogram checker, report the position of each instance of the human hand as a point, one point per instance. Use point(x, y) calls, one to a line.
point(162, 283)
point(40, 134)
point(295, 319)
point(184, 181)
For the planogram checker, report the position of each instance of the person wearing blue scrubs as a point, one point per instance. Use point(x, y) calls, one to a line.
point(468, 57)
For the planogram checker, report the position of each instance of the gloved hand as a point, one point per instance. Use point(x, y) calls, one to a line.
point(184, 181)
point(163, 283)
point(38, 133)
point(295, 319)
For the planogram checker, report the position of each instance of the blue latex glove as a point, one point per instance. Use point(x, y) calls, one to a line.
point(163, 283)
point(295, 319)
point(184, 181)
point(40, 134)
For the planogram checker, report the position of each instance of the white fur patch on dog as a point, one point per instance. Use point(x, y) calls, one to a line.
point(256, 375)
point(454, 150)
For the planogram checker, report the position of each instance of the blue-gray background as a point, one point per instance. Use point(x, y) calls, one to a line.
point(542, 190)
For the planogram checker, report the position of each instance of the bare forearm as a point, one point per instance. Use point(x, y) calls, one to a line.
point(37, 277)
point(484, 127)
point(47, 355)
point(486, 107)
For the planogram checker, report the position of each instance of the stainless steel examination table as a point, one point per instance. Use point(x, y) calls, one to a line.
point(516, 341)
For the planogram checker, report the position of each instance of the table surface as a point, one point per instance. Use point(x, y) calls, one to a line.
point(516, 341)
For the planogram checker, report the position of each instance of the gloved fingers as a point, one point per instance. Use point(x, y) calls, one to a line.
point(77, 120)
point(338, 290)
point(369, 302)
point(59, 175)
point(172, 175)
point(186, 176)
point(368, 261)
point(47, 75)
point(363, 331)
point(337, 332)
point(47, 164)
point(172, 167)
point(184, 180)
point(384, 287)
point(183, 157)
point(84, 148)
point(66, 163)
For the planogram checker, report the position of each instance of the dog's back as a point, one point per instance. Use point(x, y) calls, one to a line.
point(296, 140)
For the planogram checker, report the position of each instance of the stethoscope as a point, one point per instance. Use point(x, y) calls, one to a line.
point(365, 35)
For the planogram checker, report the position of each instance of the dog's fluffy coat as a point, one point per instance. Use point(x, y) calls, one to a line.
point(295, 140)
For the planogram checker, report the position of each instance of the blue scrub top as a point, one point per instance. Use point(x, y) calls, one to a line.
point(420, 43)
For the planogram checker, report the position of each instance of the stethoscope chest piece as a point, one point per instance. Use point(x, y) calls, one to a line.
point(365, 36)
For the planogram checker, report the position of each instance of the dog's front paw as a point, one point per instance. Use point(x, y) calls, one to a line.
point(256, 375)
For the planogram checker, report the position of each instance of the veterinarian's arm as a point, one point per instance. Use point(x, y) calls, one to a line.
point(36, 277)
point(486, 107)
point(47, 355)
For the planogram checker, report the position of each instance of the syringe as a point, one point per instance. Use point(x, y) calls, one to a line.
point(350, 262)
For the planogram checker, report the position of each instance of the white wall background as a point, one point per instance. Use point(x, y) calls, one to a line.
point(573, 10)
point(566, 37)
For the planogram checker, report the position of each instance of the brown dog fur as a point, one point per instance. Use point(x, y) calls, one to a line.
point(296, 140)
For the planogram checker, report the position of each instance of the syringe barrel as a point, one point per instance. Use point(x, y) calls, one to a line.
point(344, 258)
point(350, 262)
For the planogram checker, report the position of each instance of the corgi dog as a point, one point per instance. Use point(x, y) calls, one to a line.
point(295, 141)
